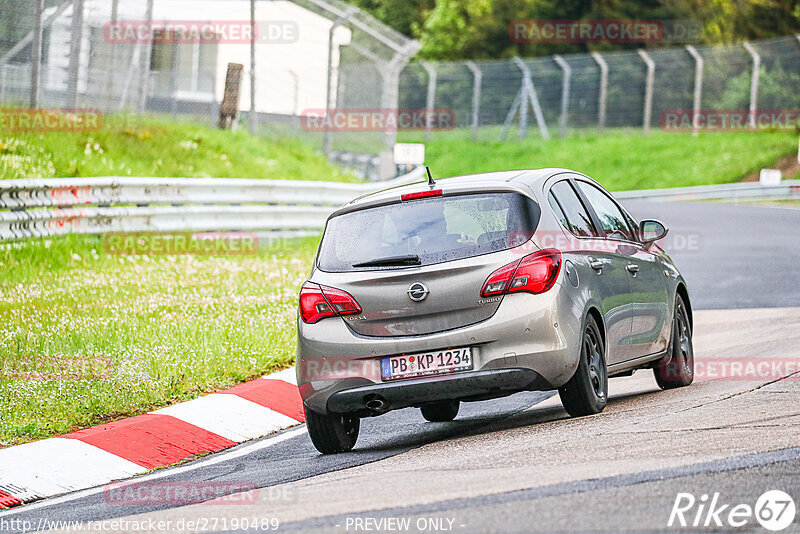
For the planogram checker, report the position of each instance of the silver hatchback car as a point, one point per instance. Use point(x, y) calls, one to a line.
point(481, 286)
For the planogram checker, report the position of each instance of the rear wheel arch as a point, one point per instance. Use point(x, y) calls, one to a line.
point(598, 318)
point(684, 293)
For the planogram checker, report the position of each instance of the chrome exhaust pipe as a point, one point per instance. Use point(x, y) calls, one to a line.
point(377, 404)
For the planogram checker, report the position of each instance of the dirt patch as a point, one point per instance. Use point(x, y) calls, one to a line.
point(788, 166)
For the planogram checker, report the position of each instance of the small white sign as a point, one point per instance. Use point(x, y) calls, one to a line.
point(770, 177)
point(409, 153)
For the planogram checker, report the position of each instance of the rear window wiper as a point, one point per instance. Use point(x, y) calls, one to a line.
point(409, 259)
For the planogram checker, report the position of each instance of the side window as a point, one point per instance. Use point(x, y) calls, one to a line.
point(614, 221)
point(570, 210)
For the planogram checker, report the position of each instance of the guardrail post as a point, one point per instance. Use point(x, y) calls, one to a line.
point(477, 82)
point(753, 83)
point(698, 86)
point(564, 93)
point(648, 89)
point(431, 99)
point(601, 100)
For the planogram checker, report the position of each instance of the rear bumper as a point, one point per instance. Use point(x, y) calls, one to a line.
point(468, 386)
point(538, 333)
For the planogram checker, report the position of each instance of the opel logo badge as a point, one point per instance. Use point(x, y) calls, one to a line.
point(418, 292)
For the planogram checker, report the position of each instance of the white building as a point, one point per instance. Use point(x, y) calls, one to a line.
point(291, 64)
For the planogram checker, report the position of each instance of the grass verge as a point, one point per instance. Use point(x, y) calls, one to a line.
point(87, 337)
point(135, 146)
point(620, 160)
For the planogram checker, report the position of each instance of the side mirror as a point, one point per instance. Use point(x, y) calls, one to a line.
point(652, 230)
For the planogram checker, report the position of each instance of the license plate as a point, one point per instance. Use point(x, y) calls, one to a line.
point(426, 364)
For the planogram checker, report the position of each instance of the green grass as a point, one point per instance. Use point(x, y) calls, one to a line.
point(87, 336)
point(619, 160)
point(133, 146)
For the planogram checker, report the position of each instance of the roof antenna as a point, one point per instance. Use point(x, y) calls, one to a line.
point(431, 182)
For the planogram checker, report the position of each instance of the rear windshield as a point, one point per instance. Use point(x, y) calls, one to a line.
point(435, 230)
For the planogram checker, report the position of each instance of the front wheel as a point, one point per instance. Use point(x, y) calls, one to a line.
point(677, 368)
point(441, 411)
point(586, 393)
point(332, 433)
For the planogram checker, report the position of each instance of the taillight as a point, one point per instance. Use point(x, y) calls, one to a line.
point(497, 283)
point(318, 302)
point(534, 274)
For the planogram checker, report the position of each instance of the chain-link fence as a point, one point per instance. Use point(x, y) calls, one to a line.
point(197, 61)
point(630, 89)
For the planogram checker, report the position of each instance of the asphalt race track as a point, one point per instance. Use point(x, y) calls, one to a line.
point(519, 464)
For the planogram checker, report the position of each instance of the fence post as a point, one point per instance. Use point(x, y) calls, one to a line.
point(431, 99)
point(75, 54)
point(36, 52)
point(698, 86)
point(477, 83)
point(564, 92)
point(326, 141)
point(525, 96)
point(173, 83)
point(390, 92)
point(296, 94)
point(648, 89)
point(753, 83)
point(601, 100)
point(110, 77)
point(148, 49)
point(253, 127)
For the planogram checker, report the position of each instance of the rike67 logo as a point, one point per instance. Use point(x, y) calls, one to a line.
point(774, 510)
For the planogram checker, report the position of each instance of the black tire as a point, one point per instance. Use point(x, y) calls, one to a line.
point(676, 369)
point(332, 433)
point(586, 393)
point(441, 411)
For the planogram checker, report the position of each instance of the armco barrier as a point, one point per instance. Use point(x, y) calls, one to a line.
point(36, 208)
point(743, 191)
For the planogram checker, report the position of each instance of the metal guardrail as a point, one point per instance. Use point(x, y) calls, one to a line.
point(786, 190)
point(38, 208)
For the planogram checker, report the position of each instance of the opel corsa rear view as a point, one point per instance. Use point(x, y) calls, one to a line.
point(477, 287)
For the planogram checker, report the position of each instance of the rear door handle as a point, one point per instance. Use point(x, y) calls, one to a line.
point(632, 268)
point(597, 265)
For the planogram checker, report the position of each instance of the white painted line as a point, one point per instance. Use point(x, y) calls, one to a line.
point(216, 458)
point(287, 375)
point(58, 465)
point(230, 416)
